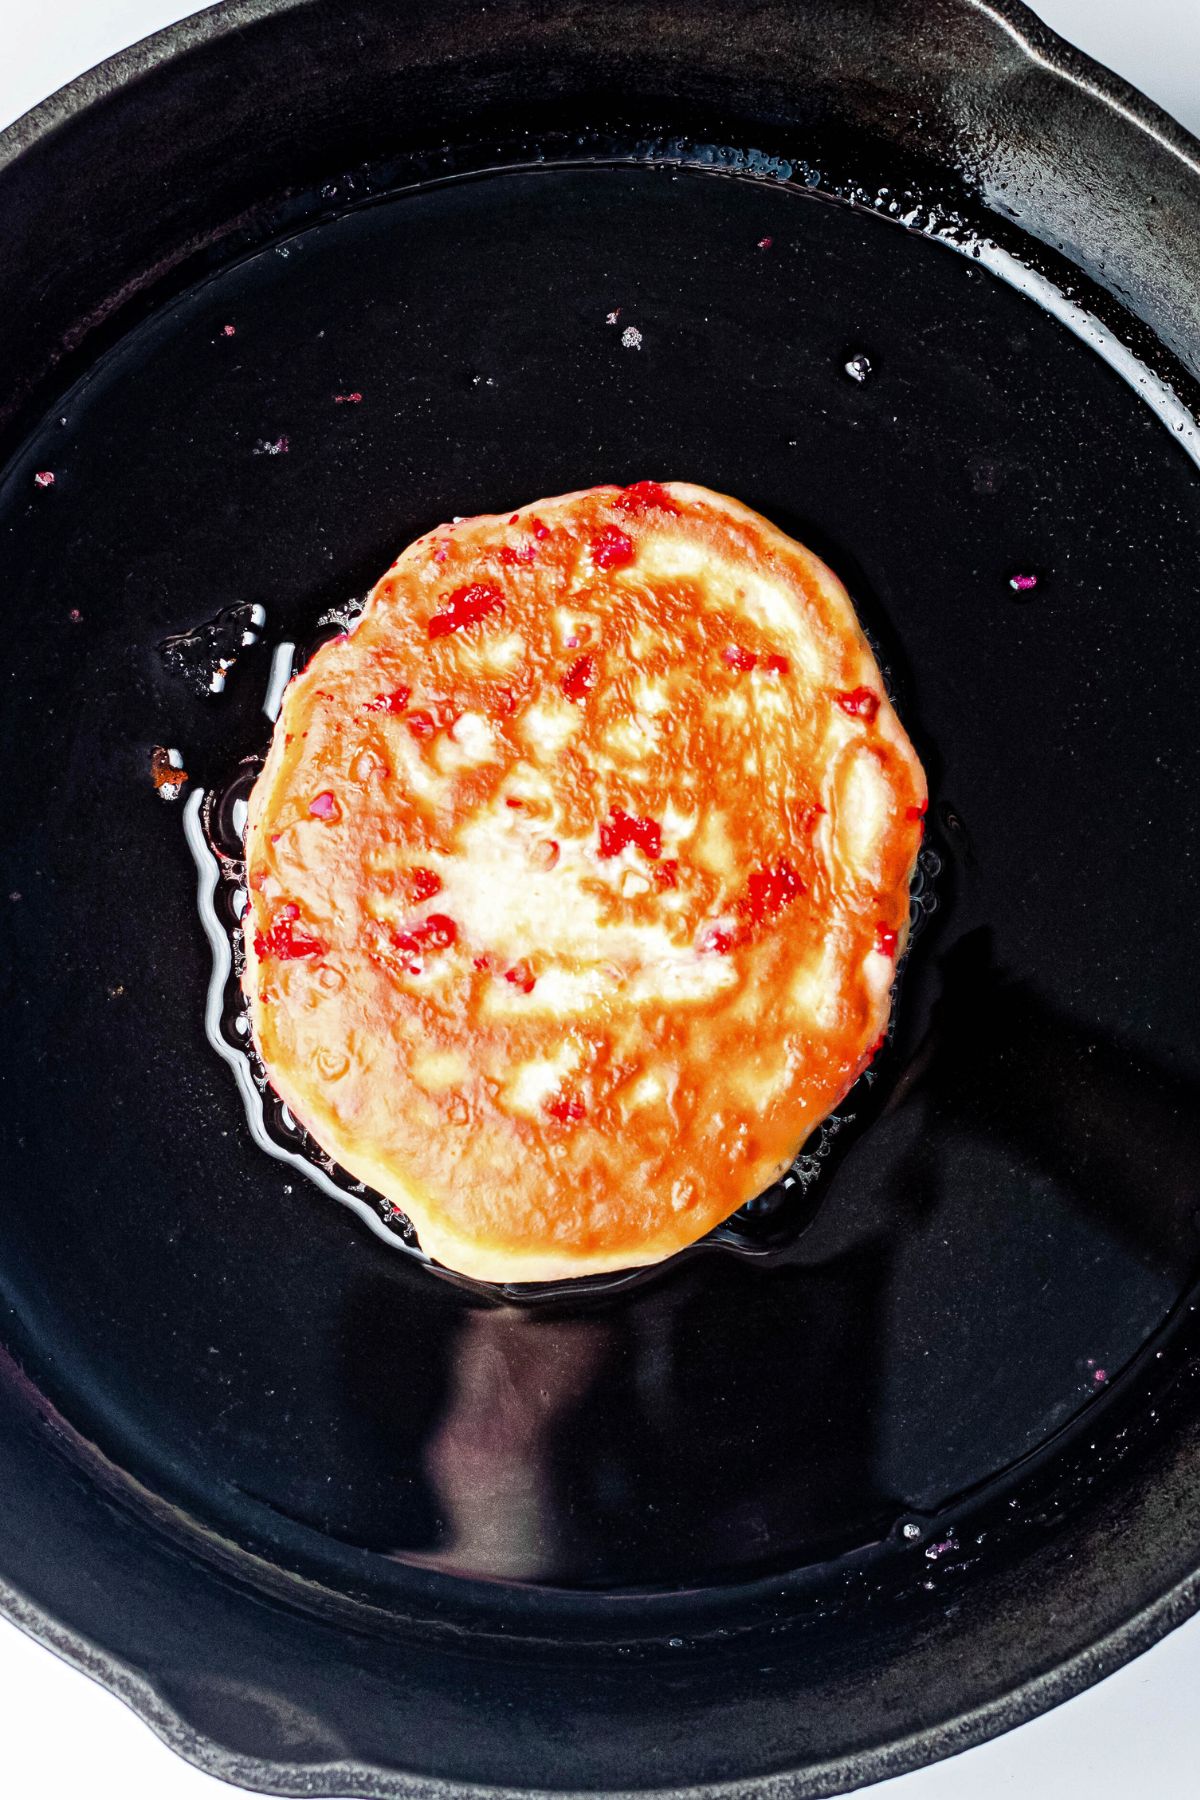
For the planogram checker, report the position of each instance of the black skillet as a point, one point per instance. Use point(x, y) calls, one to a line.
point(808, 1508)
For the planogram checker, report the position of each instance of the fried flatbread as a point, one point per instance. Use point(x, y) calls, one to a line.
point(579, 871)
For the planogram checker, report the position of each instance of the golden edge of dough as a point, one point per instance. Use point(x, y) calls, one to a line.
point(490, 1261)
point(497, 1263)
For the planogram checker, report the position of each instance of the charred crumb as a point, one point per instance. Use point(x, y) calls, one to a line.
point(167, 772)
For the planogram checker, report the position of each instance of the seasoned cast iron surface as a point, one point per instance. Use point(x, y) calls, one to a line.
point(1016, 1220)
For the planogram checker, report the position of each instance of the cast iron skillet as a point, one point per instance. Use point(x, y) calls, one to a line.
point(926, 1461)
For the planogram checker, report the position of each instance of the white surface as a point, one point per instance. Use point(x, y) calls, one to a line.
point(1137, 1735)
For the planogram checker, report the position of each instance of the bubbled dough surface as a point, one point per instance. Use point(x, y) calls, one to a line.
point(678, 1043)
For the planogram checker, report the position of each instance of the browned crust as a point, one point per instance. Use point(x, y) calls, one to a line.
point(508, 1194)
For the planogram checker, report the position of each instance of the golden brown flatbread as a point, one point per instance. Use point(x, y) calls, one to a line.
point(579, 870)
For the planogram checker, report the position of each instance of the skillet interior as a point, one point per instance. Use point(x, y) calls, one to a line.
point(700, 1488)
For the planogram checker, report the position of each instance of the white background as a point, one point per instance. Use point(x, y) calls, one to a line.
point(1134, 1737)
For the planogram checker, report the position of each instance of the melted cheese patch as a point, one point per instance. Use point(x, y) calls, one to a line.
point(578, 874)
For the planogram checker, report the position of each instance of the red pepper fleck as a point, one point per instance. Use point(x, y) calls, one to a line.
point(75, 616)
point(506, 701)
point(420, 724)
point(509, 556)
point(886, 940)
point(513, 800)
point(282, 940)
point(394, 702)
point(44, 478)
point(347, 399)
point(876, 1047)
point(566, 1107)
point(641, 495)
point(466, 606)
point(522, 976)
point(777, 665)
point(716, 940)
point(667, 873)
point(514, 519)
point(437, 932)
point(621, 828)
point(1022, 584)
point(483, 962)
point(424, 884)
point(769, 890)
point(228, 330)
point(737, 657)
point(323, 806)
point(611, 549)
point(580, 678)
point(765, 243)
point(917, 812)
point(539, 530)
point(810, 815)
point(860, 703)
